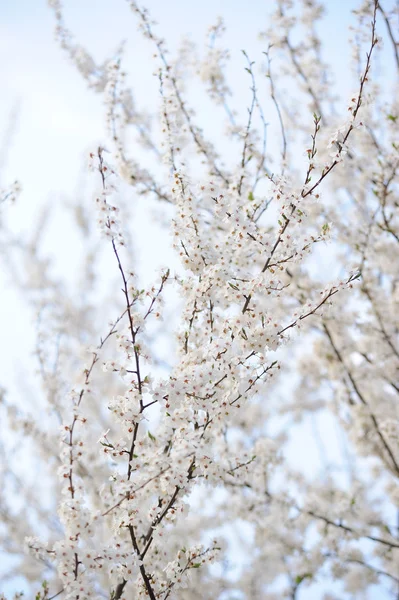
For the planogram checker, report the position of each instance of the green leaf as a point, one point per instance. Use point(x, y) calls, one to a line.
point(152, 438)
point(251, 197)
point(106, 445)
point(196, 565)
point(300, 578)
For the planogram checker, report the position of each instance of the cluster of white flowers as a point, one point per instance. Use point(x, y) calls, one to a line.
point(10, 193)
point(212, 68)
point(159, 465)
point(108, 220)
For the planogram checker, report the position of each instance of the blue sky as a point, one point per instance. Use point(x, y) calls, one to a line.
point(59, 118)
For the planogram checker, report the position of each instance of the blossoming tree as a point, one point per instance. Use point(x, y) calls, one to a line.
point(158, 434)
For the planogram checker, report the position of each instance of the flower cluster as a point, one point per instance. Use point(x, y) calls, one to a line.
point(169, 447)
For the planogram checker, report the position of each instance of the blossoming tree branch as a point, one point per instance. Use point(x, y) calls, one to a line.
point(157, 458)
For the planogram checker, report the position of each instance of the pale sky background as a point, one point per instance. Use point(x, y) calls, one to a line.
point(58, 118)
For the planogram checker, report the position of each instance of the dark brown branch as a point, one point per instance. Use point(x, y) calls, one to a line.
point(362, 399)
